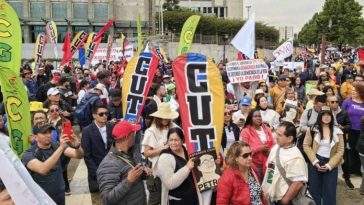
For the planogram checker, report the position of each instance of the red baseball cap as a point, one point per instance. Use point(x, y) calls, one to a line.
point(123, 129)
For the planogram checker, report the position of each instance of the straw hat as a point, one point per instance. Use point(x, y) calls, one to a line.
point(165, 112)
point(314, 91)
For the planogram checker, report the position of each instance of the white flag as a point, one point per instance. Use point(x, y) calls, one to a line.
point(244, 40)
point(283, 51)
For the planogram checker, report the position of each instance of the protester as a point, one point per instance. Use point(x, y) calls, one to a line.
point(239, 117)
point(231, 131)
point(153, 104)
point(84, 88)
point(277, 92)
point(278, 187)
point(65, 91)
point(346, 87)
point(360, 148)
point(43, 160)
point(342, 120)
point(309, 116)
point(41, 94)
point(54, 98)
point(239, 184)
point(260, 139)
point(325, 150)
point(30, 83)
point(154, 142)
point(114, 106)
point(299, 88)
point(174, 169)
point(355, 108)
point(269, 116)
point(5, 198)
point(312, 96)
point(120, 172)
point(96, 142)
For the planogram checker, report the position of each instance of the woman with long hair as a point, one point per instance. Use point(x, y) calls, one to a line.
point(260, 139)
point(230, 132)
point(174, 169)
point(325, 150)
point(270, 117)
point(239, 185)
point(154, 142)
point(300, 89)
point(355, 108)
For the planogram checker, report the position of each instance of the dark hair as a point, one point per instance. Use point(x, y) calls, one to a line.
point(115, 93)
point(67, 69)
point(159, 125)
point(258, 102)
point(63, 80)
point(98, 106)
point(319, 123)
point(83, 83)
point(36, 112)
point(320, 99)
point(294, 81)
point(327, 88)
point(101, 75)
point(178, 131)
point(234, 152)
point(287, 91)
point(290, 130)
point(249, 119)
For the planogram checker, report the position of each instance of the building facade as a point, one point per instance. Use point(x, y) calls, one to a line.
point(285, 33)
point(230, 9)
point(77, 15)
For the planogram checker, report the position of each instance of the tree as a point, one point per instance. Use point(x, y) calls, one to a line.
point(171, 5)
point(346, 28)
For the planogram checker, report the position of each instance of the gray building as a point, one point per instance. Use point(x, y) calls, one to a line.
point(77, 15)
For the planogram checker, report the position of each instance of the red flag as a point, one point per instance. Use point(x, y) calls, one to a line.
point(103, 29)
point(360, 53)
point(66, 49)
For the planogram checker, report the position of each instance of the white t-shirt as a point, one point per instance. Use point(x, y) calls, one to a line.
point(230, 138)
point(262, 135)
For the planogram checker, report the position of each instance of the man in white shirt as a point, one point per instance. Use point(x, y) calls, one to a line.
point(274, 185)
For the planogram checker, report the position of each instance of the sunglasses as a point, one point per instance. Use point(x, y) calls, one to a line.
point(227, 114)
point(102, 114)
point(332, 102)
point(246, 155)
point(54, 110)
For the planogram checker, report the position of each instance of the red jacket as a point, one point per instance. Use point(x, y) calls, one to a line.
point(250, 136)
point(233, 189)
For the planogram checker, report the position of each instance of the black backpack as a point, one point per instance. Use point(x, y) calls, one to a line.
point(84, 109)
point(301, 137)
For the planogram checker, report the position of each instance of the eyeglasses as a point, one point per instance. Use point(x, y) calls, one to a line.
point(102, 114)
point(332, 102)
point(227, 114)
point(246, 155)
point(54, 110)
point(359, 81)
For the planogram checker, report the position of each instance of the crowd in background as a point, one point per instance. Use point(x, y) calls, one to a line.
point(311, 132)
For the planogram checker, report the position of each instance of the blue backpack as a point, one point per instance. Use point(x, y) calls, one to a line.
point(83, 111)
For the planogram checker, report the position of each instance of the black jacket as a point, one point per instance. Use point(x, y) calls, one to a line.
point(232, 127)
point(343, 119)
point(94, 147)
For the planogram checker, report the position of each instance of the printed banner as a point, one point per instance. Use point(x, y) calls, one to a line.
point(115, 55)
point(103, 29)
point(78, 41)
point(187, 34)
point(138, 77)
point(247, 71)
point(91, 47)
point(39, 49)
point(51, 29)
point(16, 106)
point(284, 51)
point(81, 56)
point(206, 171)
point(201, 99)
point(10, 38)
point(139, 28)
point(293, 65)
point(12, 87)
point(108, 49)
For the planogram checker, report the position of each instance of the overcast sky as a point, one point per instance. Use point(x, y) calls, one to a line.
point(286, 12)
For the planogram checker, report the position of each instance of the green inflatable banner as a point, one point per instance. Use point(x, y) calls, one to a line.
point(187, 34)
point(12, 86)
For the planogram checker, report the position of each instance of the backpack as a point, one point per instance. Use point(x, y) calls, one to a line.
point(301, 137)
point(83, 111)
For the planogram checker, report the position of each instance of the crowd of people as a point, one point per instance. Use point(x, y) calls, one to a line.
point(278, 137)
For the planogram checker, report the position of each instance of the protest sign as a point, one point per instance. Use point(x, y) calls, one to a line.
point(283, 51)
point(310, 84)
point(206, 171)
point(293, 65)
point(247, 71)
point(115, 55)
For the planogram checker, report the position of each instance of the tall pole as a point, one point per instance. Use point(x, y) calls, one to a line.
point(248, 8)
point(323, 48)
point(162, 26)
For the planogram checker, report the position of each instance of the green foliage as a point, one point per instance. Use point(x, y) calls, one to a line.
point(211, 25)
point(347, 24)
point(171, 5)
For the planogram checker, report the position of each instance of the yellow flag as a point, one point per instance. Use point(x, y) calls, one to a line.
point(187, 34)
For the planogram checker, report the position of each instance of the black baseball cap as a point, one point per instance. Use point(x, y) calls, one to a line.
point(42, 128)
